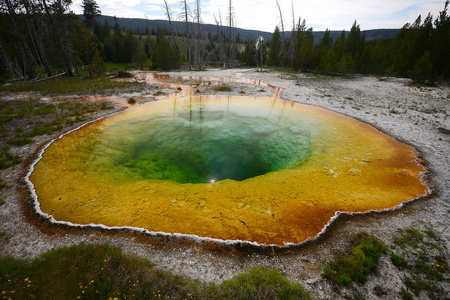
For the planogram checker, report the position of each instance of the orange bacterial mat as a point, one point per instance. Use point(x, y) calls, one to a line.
point(260, 170)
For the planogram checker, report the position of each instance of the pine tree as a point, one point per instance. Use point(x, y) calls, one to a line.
point(354, 44)
point(298, 41)
point(275, 48)
point(306, 51)
point(423, 70)
point(90, 11)
point(440, 42)
point(139, 57)
point(322, 52)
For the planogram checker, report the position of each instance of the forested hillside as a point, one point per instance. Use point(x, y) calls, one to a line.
point(420, 50)
point(141, 25)
point(42, 38)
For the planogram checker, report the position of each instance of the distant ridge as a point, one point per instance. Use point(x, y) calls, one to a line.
point(246, 34)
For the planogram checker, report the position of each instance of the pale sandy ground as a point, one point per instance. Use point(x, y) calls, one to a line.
point(409, 114)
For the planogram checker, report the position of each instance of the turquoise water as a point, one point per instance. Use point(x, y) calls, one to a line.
point(200, 141)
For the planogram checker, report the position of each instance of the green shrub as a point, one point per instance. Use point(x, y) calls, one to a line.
point(444, 130)
point(262, 283)
point(223, 88)
point(7, 159)
point(3, 185)
point(45, 109)
point(379, 291)
point(124, 74)
point(104, 272)
point(19, 141)
point(409, 236)
point(361, 260)
point(398, 261)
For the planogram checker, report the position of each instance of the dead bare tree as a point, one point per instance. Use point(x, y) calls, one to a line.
point(232, 42)
point(283, 40)
point(259, 52)
point(185, 14)
point(149, 38)
point(169, 17)
point(292, 43)
point(199, 49)
point(220, 37)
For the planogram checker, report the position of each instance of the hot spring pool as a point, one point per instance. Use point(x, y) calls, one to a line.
point(260, 170)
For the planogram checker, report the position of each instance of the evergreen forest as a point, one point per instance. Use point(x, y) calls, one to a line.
point(44, 38)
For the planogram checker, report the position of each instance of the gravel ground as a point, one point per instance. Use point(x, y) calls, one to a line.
point(409, 114)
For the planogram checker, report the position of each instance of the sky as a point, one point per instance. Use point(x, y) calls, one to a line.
point(263, 14)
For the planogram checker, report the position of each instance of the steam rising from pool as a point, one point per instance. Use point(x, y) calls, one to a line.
point(261, 170)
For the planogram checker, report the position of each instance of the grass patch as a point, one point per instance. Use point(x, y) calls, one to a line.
point(398, 261)
point(408, 236)
point(45, 109)
point(124, 74)
point(7, 159)
point(406, 295)
point(423, 269)
point(23, 120)
point(110, 66)
point(72, 85)
point(379, 291)
point(444, 131)
point(19, 141)
point(103, 272)
point(361, 260)
point(262, 283)
point(4, 238)
point(223, 88)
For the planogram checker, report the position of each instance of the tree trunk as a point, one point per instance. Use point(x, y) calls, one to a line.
point(28, 68)
point(231, 33)
point(283, 44)
point(64, 40)
point(186, 19)
point(292, 45)
point(168, 13)
point(199, 48)
point(36, 39)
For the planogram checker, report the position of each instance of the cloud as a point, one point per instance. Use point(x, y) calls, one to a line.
point(264, 15)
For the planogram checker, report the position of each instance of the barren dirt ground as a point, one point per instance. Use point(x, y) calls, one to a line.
point(409, 114)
